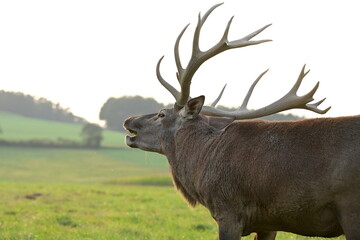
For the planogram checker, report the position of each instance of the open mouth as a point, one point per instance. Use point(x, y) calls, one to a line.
point(130, 140)
point(131, 131)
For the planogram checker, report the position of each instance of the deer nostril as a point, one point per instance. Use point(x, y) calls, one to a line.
point(137, 125)
point(128, 122)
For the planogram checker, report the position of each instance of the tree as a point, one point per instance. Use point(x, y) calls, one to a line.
point(92, 135)
point(116, 110)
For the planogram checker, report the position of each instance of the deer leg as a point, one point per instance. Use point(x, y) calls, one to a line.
point(349, 218)
point(350, 224)
point(265, 236)
point(229, 228)
point(351, 227)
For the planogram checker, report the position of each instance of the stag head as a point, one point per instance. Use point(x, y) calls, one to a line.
point(154, 132)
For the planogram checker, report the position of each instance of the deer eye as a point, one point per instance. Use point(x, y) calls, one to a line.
point(161, 114)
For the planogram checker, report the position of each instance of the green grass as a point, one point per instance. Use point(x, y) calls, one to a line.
point(77, 165)
point(18, 128)
point(99, 212)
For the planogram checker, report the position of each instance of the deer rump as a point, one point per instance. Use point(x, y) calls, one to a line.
point(256, 176)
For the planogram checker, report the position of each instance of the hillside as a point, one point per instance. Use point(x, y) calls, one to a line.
point(18, 128)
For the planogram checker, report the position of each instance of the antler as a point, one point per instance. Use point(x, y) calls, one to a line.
point(198, 57)
point(288, 101)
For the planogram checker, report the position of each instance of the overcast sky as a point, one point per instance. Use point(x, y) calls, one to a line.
point(81, 52)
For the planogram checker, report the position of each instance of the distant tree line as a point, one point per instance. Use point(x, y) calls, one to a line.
point(29, 106)
point(116, 110)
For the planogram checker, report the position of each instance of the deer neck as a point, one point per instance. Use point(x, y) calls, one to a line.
point(188, 151)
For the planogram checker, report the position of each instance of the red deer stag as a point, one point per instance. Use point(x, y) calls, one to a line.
point(256, 176)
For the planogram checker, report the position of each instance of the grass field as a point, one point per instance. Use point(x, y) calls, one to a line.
point(19, 128)
point(83, 194)
point(73, 211)
point(75, 194)
point(77, 165)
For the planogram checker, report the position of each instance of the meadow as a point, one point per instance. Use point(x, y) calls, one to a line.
point(83, 194)
point(19, 128)
point(75, 194)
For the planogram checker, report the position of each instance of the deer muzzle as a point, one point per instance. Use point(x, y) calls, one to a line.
point(130, 140)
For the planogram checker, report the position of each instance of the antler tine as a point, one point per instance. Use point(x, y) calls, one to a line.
point(307, 97)
point(243, 42)
point(226, 32)
point(224, 44)
point(313, 107)
point(177, 55)
point(201, 21)
point(297, 84)
point(251, 89)
point(219, 97)
point(169, 87)
point(288, 101)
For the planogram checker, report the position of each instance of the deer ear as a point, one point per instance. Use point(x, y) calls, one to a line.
point(193, 107)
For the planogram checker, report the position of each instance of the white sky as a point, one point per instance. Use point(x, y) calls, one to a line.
point(81, 52)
